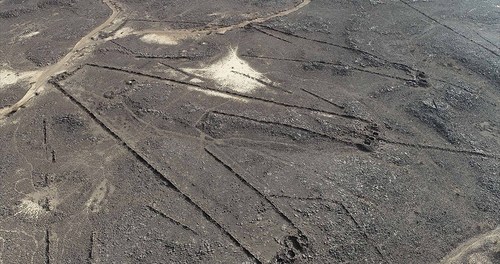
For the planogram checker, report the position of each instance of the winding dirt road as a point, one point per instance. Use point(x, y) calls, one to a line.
point(186, 33)
point(64, 64)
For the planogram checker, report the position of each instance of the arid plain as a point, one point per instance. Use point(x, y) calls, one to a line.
point(249, 131)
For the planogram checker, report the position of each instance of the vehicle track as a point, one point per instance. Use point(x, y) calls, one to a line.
point(64, 63)
point(223, 29)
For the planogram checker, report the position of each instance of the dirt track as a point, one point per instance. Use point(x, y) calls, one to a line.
point(62, 65)
point(88, 40)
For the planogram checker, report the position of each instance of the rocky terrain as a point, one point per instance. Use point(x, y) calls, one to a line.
point(249, 131)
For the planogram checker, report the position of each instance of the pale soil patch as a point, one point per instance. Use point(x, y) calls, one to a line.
point(80, 49)
point(121, 33)
point(31, 209)
point(8, 77)
point(483, 249)
point(29, 35)
point(172, 73)
point(38, 204)
point(168, 36)
point(161, 39)
point(176, 74)
point(232, 73)
point(97, 199)
point(218, 94)
point(196, 80)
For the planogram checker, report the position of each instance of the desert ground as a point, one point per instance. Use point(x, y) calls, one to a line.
point(250, 131)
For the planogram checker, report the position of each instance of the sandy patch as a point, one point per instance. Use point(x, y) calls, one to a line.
point(8, 77)
point(29, 35)
point(218, 94)
point(161, 39)
point(98, 197)
point(325, 115)
point(196, 80)
point(172, 73)
point(31, 209)
point(121, 33)
point(232, 73)
point(38, 204)
point(482, 249)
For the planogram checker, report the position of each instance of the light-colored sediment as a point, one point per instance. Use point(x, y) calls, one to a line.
point(232, 80)
point(185, 34)
point(159, 39)
point(31, 209)
point(478, 250)
point(233, 73)
point(62, 64)
point(96, 200)
point(9, 77)
point(218, 94)
point(121, 33)
point(31, 206)
point(29, 35)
